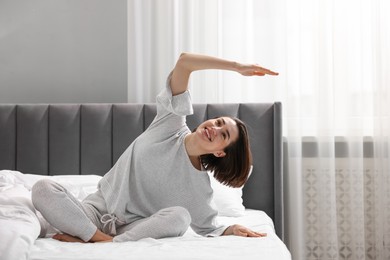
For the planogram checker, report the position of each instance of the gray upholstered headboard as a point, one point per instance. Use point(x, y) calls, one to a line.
point(88, 139)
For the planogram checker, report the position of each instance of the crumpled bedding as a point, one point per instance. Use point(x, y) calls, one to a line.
point(20, 226)
point(20, 223)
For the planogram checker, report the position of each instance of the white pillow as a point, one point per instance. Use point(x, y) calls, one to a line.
point(227, 200)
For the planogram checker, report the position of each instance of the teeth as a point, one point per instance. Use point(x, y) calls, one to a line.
point(208, 134)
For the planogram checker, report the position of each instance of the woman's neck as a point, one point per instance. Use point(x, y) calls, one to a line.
point(192, 152)
point(191, 147)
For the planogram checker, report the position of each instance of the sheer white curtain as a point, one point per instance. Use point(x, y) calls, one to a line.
point(334, 63)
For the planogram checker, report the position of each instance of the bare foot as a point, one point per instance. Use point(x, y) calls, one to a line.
point(67, 238)
point(97, 237)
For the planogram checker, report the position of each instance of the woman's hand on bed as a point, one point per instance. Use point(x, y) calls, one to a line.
point(238, 230)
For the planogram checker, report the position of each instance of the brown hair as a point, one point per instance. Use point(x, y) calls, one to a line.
point(232, 169)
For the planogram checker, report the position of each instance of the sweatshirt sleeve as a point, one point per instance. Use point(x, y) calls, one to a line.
point(206, 224)
point(180, 105)
point(209, 232)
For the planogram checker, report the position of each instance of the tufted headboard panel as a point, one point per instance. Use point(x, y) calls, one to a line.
point(57, 139)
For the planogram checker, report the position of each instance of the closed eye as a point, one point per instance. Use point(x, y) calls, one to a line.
point(228, 134)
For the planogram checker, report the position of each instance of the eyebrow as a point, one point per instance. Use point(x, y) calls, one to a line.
point(227, 131)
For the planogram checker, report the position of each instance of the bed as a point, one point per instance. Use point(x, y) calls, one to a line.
point(76, 144)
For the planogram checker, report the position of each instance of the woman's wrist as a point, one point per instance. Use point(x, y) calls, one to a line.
point(228, 231)
point(237, 66)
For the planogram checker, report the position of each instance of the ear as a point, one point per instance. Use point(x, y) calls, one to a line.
point(219, 154)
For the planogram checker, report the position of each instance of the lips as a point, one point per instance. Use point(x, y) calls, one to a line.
point(207, 134)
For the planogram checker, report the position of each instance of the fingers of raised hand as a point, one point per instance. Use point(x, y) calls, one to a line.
point(256, 70)
point(259, 71)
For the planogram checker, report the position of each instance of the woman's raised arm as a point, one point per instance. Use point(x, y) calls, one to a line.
point(189, 62)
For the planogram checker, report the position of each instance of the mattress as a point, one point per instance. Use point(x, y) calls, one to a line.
point(19, 229)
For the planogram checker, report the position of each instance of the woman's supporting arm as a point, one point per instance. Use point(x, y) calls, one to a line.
point(189, 62)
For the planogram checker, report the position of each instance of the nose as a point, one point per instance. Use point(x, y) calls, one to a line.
point(217, 130)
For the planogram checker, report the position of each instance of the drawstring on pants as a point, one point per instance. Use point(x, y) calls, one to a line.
point(109, 222)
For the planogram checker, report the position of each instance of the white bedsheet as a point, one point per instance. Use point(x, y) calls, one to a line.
point(190, 246)
point(23, 231)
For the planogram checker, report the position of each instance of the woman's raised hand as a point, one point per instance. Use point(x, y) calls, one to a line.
point(254, 70)
point(190, 62)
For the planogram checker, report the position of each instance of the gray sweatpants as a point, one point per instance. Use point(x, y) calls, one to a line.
point(82, 219)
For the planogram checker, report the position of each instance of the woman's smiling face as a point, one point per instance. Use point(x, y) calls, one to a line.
point(216, 134)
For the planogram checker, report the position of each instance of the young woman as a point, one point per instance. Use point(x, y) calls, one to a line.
point(159, 186)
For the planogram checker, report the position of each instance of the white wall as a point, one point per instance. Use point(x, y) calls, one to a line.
point(56, 51)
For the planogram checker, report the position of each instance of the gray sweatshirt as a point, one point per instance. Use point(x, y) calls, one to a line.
point(155, 171)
